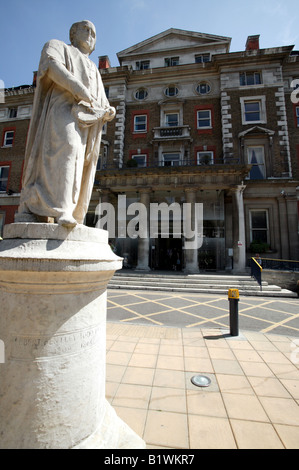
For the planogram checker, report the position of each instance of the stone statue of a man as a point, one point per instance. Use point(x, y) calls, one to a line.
point(70, 108)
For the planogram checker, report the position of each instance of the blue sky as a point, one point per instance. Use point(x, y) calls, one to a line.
point(25, 25)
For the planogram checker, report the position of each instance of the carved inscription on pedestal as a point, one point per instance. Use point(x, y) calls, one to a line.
point(44, 347)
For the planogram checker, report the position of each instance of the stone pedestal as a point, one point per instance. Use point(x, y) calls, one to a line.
point(53, 324)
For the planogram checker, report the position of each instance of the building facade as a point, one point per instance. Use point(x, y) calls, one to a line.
point(195, 123)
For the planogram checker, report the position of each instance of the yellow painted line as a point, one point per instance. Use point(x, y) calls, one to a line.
point(212, 320)
point(138, 314)
point(282, 323)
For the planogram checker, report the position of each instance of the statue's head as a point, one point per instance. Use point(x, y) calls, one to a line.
point(83, 36)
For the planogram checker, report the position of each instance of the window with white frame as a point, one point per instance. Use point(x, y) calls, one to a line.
point(171, 61)
point(171, 159)
point(171, 119)
point(8, 138)
point(256, 158)
point(253, 109)
point(140, 123)
point(143, 65)
point(250, 78)
point(4, 172)
point(204, 119)
point(202, 58)
point(205, 158)
point(140, 159)
point(259, 226)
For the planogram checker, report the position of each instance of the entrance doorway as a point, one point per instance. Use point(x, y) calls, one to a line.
point(167, 254)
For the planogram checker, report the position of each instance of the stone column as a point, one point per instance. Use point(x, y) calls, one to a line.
point(53, 324)
point(191, 256)
point(239, 238)
point(292, 213)
point(143, 243)
point(283, 227)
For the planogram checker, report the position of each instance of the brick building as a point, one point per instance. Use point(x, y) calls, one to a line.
point(194, 123)
point(15, 114)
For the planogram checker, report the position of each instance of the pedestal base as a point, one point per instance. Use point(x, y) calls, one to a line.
point(53, 284)
point(112, 434)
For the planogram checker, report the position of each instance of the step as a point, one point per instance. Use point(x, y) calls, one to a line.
point(196, 283)
point(224, 281)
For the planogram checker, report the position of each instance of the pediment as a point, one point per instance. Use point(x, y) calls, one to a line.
point(173, 39)
point(255, 131)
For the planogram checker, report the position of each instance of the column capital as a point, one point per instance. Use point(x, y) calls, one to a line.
point(190, 190)
point(239, 188)
point(144, 190)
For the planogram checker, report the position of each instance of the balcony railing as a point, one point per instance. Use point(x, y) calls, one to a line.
point(171, 132)
point(184, 162)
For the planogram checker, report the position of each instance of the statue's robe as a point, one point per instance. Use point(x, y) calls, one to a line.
point(61, 153)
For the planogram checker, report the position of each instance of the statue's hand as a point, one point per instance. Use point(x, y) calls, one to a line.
point(110, 113)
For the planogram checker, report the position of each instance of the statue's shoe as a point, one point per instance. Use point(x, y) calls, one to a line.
point(66, 220)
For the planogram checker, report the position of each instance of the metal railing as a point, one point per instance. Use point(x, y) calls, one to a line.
point(256, 271)
point(259, 264)
point(184, 162)
point(280, 264)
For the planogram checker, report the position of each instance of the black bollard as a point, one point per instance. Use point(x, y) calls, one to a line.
point(233, 297)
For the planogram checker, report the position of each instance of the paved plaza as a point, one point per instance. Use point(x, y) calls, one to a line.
point(157, 342)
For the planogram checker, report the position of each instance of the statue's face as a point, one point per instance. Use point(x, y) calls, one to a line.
point(85, 37)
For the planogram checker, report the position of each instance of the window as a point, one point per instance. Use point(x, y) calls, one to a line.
point(204, 119)
point(4, 173)
point(140, 123)
point(143, 65)
point(172, 90)
point(171, 119)
point(256, 158)
point(250, 78)
point(203, 88)
point(253, 110)
point(8, 138)
point(205, 158)
point(13, 113)
point(202, 58)
point(171, 61)
point(140, 160)
point(141, 94)
point(297, 115)
point(259, 231)
point(171, 159)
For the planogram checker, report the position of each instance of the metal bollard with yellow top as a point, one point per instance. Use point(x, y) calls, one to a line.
point(233, 297)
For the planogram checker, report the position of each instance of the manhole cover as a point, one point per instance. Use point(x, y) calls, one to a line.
point(201, 381)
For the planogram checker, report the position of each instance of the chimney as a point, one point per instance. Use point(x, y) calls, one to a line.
point(104, 62)
point(253, 43)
